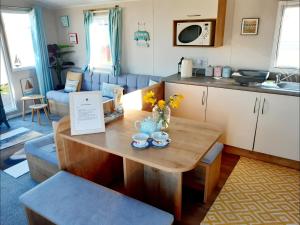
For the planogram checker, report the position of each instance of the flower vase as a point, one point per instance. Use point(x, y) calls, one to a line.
point(162, 116)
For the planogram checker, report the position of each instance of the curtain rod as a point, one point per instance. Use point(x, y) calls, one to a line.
point(100, 9)
point(7, 7)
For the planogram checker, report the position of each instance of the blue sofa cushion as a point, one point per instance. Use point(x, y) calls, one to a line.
point(66, 199)
point(63, 98)
point(43, 148)
point(108, 89)
point(211, 155)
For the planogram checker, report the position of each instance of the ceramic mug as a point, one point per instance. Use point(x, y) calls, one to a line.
point(160, 137)
point(140, 139)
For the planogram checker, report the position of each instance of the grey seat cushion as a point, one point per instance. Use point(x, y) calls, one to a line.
point(212, 153)
point(43, 148)
point(66, 199)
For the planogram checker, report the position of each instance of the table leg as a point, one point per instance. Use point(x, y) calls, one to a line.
point(46, 113)
point(161, 189)
point(133, 178)
point(38, 116)
point(23, 114)
point(164, 189)
point(32, 115)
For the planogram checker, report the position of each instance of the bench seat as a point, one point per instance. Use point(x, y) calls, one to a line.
point(66, 199)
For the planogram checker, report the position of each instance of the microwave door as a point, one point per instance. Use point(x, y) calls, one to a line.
point(188, 35)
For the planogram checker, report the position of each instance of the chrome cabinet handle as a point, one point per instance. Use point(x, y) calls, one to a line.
point(254, 109)
point(203, 98)
point(263, 107)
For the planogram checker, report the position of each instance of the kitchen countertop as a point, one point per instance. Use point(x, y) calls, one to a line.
point(227, 83)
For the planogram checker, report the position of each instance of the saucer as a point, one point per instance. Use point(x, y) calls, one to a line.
point(160, 145)
point(135, 145)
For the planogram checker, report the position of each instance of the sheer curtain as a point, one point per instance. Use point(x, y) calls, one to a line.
point(88, 19)
point(115, 33)
point(43, 71)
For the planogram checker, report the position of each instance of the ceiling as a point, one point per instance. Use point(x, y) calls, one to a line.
point(74, 3)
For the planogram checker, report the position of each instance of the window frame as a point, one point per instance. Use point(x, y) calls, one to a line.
point(16, 11)
point(282, 5)
point(105, 68)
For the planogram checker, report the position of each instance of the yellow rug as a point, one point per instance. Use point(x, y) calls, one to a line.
point(257, 193)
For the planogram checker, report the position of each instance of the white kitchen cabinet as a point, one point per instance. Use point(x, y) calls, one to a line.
point(278, 126)
point(235, 112)
point(193, 105)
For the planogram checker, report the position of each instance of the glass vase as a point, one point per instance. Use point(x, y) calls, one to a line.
point(162, 116)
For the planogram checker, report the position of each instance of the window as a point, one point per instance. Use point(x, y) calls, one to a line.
point(99, 41)
point(286, 45)
point(17, 28)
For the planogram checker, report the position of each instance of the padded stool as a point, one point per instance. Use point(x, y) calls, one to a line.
point(37, 108)
point(41, 157)
point(206, 174)
point(66, 199)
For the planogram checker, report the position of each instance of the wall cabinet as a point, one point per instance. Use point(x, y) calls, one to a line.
point(194, 104)
point(278, 126)
point(265, 123)
point(235, 112)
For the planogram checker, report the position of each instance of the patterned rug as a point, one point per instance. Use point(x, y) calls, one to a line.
point(257, 193)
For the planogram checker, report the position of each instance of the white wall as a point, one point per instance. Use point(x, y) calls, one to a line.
point(162, 58)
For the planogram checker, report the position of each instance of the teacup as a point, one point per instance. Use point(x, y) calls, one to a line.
point(160, 137)
point(140, 139)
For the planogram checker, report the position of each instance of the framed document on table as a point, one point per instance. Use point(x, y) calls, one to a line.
point(86, 112)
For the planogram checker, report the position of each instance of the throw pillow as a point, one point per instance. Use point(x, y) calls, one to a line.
point(75, 76)
point(71, 86)
point(108, 89)
point(152, 82)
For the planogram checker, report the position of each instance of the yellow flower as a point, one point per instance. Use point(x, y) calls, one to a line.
point(175, 100)
point(161, 104)
point(149, 98)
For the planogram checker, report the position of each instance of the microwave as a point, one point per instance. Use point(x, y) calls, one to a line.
point(194, 33)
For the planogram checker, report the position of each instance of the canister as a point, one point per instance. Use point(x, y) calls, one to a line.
point(226, 73)
point(217, 71)
point(209, 71)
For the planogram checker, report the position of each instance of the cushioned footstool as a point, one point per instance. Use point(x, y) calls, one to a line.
point(41, 157)
point(66, 199)
point(206, 174)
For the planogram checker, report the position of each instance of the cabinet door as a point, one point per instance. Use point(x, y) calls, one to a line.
point(194, 103)
point(278, 126)
point(235, 112)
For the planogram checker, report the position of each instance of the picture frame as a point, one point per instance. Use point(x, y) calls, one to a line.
point(65, 21)
point(86, 113)
point(249, 26)
point(73, 39)
point(27, 86)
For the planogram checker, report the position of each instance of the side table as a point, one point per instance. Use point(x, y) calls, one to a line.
point(37, 99)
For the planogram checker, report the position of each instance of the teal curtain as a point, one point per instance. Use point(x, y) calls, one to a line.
point(115, 35)
point(88, 19)
point(43, 71)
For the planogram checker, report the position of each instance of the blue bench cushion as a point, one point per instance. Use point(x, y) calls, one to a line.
point(43, 148)
point(66, 199)
point(63, 98)
point(212, 153)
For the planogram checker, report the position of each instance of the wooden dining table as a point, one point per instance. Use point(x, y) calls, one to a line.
point(151, 175)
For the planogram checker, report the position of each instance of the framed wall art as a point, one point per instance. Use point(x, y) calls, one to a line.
point(73, 39)
point(64, 21)
point(27, 86)
point(249, 26)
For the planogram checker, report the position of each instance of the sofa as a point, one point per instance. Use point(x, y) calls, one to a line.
point(58, 100)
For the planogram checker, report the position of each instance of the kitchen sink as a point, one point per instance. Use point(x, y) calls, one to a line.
point(289, 86)
point(283, 86)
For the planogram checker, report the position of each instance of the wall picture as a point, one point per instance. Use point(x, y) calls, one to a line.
point(249, 26)
point(27, 86)
point(73, 38)
point(64, 21)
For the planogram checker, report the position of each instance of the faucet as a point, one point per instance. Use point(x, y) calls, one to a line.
point(278, 77)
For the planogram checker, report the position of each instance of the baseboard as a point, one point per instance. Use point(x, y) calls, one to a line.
point(262, 157)
point(17, 114)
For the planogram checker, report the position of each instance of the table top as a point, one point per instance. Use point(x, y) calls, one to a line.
point(190, 142)
point(32, 97)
